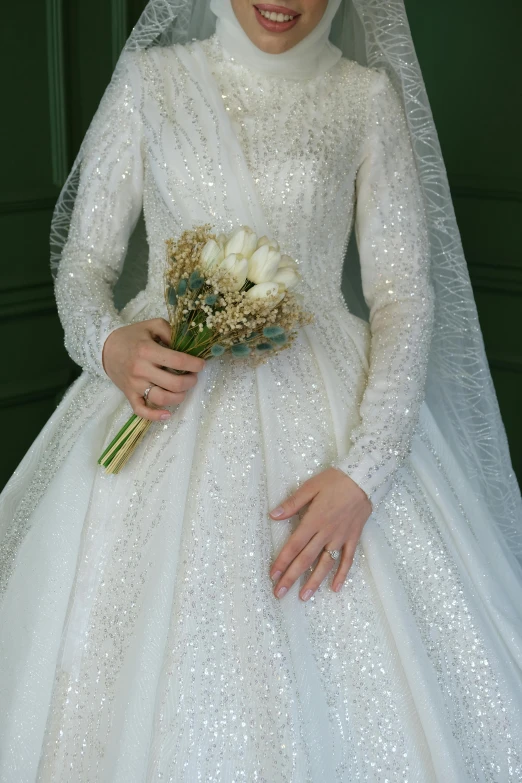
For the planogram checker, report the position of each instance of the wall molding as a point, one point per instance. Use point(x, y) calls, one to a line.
point(505, 363)
point(12, 395)
point(57, 103)
point(489, 188)
point(119, 22)
point(30, 300)
point(34, 201)
point(496, 278)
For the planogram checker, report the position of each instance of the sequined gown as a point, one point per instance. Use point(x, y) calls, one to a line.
point(141, 639)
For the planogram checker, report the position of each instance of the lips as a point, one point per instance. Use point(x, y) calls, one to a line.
point(273, 25)
point(277, 9)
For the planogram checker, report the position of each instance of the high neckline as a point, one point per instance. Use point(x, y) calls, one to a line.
point(220, 57)
point(311, 57)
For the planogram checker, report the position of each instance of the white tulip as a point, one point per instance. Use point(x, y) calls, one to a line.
point(287, 262)
point(263, 290)
point(270, 242)
point(242, 241)
point(263, 264)
point(288, 276)
point(250, 244)
point(237, 268)
point(211, 255)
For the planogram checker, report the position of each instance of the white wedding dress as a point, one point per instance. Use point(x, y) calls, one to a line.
point(140, 637)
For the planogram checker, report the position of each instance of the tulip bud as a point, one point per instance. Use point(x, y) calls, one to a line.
point(263, 264)
point(287, 261)
point(236, 268)
point(288, 276)
point(210, 255)
point(242, 241)
point(250, 244)
point(270, 242)
point(263, 290)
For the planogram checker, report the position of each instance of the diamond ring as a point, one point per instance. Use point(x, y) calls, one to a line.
point(146, 392)
point(334, 553)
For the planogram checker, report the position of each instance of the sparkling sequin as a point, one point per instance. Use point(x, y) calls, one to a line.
point(155, 649)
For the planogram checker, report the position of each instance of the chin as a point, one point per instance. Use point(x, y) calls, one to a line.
point(273, 46)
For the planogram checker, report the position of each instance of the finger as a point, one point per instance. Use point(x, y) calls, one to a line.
point(166, 380)
point(162, 398)
point(292, 548)
point(150, 352)
point(344, 566)
point(166, 357)
point(141, 409)
point(324, 565)
point(299, 565)
point(159, 327)
point(295, 502)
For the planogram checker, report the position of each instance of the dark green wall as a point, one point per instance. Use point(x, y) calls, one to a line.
point(470, 63)
point(49, 99)
point(470, 58)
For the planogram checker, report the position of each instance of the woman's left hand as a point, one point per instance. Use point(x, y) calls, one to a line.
point(335, 518)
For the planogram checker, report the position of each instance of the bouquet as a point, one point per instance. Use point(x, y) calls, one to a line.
point(223, 293)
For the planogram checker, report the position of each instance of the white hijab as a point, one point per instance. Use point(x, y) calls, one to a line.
point(311, 57)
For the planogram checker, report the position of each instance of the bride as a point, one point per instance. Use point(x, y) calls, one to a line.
point(307, 570)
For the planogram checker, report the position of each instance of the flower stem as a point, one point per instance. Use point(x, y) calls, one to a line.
point(120, 448)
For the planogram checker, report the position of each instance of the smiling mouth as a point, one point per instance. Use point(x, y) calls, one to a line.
point(276, 18)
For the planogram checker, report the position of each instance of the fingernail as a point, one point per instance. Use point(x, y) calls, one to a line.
point(338, 587)
point(277, 512)
point(276, 576)
point(282, 590)
point(165, 416)
point(306, 595)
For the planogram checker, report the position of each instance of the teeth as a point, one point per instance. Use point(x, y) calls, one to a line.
point(275, 17)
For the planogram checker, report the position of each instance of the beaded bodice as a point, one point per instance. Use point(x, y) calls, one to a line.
point(192, 136)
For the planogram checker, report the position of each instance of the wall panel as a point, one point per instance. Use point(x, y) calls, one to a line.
point(58, 56)
point(470, 57)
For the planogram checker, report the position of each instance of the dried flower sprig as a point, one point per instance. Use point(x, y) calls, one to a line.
point(223, 293)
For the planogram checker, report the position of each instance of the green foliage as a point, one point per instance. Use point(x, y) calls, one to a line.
point(273, 331)
point(196, 281)
point(240, 350)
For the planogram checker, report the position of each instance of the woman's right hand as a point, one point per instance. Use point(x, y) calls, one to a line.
point(133, 360)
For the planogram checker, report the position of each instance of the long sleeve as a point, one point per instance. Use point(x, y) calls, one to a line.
point(391, 232)
point(105, 213)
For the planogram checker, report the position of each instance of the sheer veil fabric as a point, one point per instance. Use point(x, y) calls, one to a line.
point(459, 389)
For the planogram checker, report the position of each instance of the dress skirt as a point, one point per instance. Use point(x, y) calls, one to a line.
point(141, 639)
